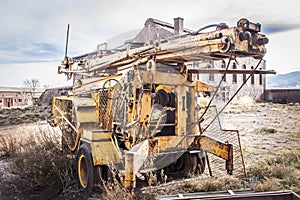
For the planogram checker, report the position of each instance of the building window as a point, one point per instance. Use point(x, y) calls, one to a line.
point(223, 66)
point(0, 100)
point(234, 76)
point(244, 74)
point(260, 78)
point(252, 77)
point(20, 100)
point(211, 76)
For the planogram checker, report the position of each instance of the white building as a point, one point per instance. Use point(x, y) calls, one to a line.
point(14, 97)
point(253, 88)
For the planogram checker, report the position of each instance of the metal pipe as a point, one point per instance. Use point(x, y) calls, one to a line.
point(208, 164)
point(67, 41)
point(243, 162)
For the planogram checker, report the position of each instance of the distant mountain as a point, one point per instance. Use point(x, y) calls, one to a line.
point(289, 80)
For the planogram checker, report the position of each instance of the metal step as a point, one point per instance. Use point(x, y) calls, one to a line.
point(88, 125)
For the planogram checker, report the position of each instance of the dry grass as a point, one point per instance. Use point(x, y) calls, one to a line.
point(9, 146)
point(267, 130)
point(214, 184)
point(38, 163)
point(16, 116)
point(281, 172)
point(278, 173)
point(40, 170)
point(39, 167)
point(112, 190)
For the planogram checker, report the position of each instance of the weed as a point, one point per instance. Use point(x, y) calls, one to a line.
point(151, 178)
point(163, 176)
point(280, 172)
point(208, 184)
point(41, 166)
point(270, 184)
point(112, 188)
point(8, 146)
point(267, 130)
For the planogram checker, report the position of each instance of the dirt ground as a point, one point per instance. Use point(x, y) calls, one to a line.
point(265, 128)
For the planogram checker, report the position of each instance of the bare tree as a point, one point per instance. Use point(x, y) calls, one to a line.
point(32, 85)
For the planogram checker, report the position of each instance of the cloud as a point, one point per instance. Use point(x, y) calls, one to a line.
point(276, 28)
point(14, 74)
point(34, 31)
point(40, 50)
point(30, 51)
point(93, 22)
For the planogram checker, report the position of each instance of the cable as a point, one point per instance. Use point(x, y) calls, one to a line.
point(215, 93)
point(223, 76)
point(252, 73)
point(221, 25)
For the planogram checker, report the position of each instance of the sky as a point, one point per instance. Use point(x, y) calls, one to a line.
point(33, 32)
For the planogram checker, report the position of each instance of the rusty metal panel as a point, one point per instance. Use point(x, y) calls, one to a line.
point(234, 194)
point(215, 147)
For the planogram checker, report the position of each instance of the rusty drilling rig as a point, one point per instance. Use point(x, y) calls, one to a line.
point(134, 109)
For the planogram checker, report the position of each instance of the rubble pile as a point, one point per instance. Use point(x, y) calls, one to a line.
point(47, 96)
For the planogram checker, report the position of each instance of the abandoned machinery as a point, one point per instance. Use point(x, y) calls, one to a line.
point(135, 110)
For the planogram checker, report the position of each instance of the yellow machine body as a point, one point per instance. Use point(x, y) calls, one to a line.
point(136, 105)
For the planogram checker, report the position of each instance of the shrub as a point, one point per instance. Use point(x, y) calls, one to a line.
point(112, 189)
point(268, 130)
point(41, 168)
point(208, 184)
point(280, 172)
point(8, 146)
